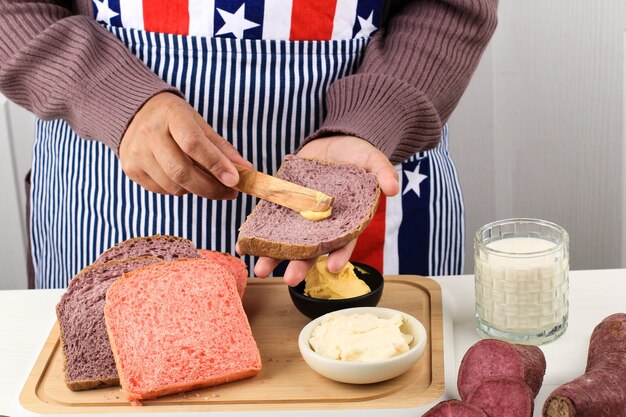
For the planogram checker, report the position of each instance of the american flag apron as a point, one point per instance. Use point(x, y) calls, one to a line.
point(258, 72)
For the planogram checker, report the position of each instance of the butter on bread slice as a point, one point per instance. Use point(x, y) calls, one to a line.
point(281, 233)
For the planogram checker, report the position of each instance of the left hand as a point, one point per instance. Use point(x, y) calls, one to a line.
point(343, 149)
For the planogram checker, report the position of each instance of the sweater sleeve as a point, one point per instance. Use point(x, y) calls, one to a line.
point(413, 74)
point(61, 65)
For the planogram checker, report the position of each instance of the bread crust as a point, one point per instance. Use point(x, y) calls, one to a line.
point(279, 250)
point(175, 389)
point(112, 251)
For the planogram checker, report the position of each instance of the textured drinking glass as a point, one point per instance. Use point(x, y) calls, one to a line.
point(521, 276)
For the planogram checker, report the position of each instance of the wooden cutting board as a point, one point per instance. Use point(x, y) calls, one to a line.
point(285, 382)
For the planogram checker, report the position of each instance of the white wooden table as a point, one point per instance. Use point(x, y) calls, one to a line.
point(26, 318)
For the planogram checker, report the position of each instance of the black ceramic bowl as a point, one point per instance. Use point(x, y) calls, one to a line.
point(314, 307)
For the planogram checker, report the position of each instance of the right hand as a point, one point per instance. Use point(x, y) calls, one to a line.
point(342, 149)
point(169, 148)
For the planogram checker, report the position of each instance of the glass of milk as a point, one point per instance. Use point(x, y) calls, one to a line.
point(521, 280)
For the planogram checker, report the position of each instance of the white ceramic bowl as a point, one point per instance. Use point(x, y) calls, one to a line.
point(365, 372)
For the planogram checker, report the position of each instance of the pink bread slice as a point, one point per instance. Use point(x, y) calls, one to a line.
point(234, 265)
point(178, 326)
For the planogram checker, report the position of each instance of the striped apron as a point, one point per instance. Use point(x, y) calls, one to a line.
point(263, 95)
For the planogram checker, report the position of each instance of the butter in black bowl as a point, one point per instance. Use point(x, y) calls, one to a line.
point(316, 307)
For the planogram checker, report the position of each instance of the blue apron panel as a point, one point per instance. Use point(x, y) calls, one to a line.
point(419, 231)
point(431, 233)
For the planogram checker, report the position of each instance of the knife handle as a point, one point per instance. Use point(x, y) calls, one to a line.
point(281, 192)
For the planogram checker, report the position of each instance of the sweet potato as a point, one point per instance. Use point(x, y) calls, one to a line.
point(495, 358)
point(601, 390)
point(455, 408)
point(503, 396)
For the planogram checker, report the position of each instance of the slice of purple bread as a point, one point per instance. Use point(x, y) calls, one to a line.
point(281, 233)
point(89, 361)
point(167, 248)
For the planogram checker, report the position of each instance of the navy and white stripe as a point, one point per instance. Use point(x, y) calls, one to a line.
point(424, 223)
point(446, 237)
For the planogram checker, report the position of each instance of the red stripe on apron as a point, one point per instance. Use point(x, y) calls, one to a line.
point(167, 16)
point(312, 19)
point(371, 244)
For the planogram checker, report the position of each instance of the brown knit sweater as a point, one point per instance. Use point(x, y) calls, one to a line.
point(56, 61)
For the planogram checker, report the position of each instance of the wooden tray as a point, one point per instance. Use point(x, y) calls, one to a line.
point(285, 382)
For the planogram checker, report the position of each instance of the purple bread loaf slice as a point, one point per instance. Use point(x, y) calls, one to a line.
point(281, 233)
point(89, 361)
point(167, 248)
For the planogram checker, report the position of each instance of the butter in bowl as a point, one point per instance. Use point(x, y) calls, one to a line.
point(362, 345)
point(357, 285)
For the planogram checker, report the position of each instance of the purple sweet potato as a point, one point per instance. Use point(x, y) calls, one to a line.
point(601, 390)
point(503, 396)
point(609, 336)
point(455, 408)
point(495, 358)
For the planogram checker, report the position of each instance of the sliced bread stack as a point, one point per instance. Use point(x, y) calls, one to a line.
point(281, 233)
point(178, 326)
point(89, 359)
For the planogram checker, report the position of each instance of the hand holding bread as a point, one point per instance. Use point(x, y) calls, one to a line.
point(353, 150)
point(341, 150)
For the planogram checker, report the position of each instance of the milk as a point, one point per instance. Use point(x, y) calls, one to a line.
point(521, 286)
point(521, 245)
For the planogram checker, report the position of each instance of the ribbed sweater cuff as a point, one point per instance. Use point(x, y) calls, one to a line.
point(387, 112)
point(113, 98)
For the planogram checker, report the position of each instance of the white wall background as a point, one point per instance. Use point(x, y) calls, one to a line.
point(16, 138)
point(540, 132)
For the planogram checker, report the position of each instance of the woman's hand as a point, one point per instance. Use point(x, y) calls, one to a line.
point(169, 148)
point(345, 149)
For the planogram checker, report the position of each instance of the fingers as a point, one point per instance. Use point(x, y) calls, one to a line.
point(296, 271)
point(340, 257)
point(389, 182)
point(168, 148)
point(180, 169)
point(154, 179)
point(294, 274)
point(222, 144)
point(385, 172)
point(149, 184)
point(193, 141)
point(264, 266)
point(140, 166)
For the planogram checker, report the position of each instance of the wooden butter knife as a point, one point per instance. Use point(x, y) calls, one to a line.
point(281, 192)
